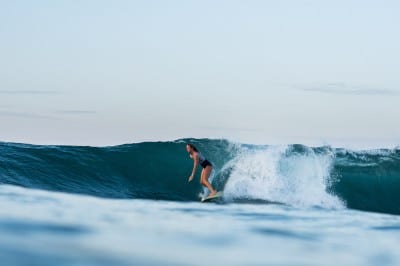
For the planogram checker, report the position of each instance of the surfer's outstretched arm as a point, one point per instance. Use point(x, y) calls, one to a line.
point(196, 163)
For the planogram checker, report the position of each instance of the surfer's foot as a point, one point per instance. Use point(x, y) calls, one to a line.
point(212, 194)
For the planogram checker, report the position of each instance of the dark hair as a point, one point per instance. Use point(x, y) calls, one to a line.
point(192, 146)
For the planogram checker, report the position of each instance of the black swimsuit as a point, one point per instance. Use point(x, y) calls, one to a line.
point(203, 161)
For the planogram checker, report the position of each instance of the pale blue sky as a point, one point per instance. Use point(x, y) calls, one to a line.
point(111, 72)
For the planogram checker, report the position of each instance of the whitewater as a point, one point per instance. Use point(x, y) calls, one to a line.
point(132, 205)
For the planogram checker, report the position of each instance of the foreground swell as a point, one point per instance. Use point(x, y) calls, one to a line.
point(292, 174)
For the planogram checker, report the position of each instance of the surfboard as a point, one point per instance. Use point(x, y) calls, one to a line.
point(216, 196)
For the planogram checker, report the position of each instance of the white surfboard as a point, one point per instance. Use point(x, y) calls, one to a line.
point(211, 198)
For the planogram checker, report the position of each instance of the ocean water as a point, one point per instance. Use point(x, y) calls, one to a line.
point(132, 205)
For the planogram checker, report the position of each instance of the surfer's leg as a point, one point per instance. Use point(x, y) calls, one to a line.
point(205, 174)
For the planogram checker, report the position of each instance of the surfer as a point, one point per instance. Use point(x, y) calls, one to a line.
point(198, 158)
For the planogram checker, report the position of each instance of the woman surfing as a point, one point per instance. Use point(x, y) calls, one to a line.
point(198, 158)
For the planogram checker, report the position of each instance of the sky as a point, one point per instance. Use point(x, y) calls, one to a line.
point(112, 72)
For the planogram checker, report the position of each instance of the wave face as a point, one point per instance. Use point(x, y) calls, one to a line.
point(293, 174)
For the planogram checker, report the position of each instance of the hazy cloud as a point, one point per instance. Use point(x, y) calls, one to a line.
point(25, 115)
point(56, 115)
point(342, 88)
point(32, 92)
point(76, 112)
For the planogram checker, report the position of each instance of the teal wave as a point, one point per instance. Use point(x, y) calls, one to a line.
point(292, 174)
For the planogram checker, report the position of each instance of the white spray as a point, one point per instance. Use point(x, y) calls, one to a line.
point(272, 174)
